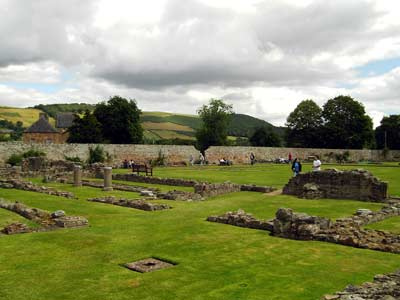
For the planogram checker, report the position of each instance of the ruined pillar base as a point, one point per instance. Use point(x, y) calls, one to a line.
point(107, 189)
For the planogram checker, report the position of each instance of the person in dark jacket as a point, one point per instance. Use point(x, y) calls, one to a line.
point(296, 167)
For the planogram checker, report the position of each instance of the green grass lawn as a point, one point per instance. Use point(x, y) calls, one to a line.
point(391, 225)
point(214, 261)
point(268, 174)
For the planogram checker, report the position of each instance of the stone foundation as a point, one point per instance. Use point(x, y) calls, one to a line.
point(242, 219)
point(331, 183)
point(255, 188)
point(46, 220)
point(154, 180)
point(29, 186)
point(299, 226)
point(384, 287)
point(215, 189)
point(138, 204)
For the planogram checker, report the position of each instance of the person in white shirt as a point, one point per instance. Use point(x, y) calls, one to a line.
point(316, 164)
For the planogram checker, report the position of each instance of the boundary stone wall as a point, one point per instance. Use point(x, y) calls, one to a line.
point(180, 154)
point(240, 155)
point(175, 154)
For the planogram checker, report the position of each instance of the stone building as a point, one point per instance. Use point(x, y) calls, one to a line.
point(43, 132)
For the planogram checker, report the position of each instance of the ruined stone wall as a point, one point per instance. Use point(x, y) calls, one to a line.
point(241, 155)
point(153, 180)
point(215, 189)
point(355, 184)
point(175, 155)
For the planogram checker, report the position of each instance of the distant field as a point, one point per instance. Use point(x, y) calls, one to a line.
point(26, 115)
point(169, 134)
point(166, 126)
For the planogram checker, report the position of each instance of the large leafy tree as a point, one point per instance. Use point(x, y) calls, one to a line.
point(388, 133)
point(215, 121)
point(85, 130)
point(346, 124)
point(120, 120)
point(304, 126)
point(265, 137)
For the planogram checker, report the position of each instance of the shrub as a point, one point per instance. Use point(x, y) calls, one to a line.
point(161, 160)
point(73, 159)
point(33, 153)
point(96, 155)
point(15, 159)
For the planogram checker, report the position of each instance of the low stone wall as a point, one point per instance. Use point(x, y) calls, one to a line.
point(384, 287)
point(215, 189)
point(256, 188)
point(137, 204)
point(46, 220)
point(155, 180)
point(242, 219)
point(331, 183)
point(241, 155)
point(120, 187)
point(29, 186)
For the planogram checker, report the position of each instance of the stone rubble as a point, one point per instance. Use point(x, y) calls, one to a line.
point(348, 231)
point(384, 287)
point(331, 183)
point(242, 219)
point(138, 204)
point(29, 186)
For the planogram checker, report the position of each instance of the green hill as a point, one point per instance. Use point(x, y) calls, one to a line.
point(157, 125)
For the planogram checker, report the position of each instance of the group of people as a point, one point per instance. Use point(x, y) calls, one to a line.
point(201, 160)
point(296, 165)
point(127, 164)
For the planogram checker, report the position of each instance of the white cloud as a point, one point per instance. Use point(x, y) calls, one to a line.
point(264, 56)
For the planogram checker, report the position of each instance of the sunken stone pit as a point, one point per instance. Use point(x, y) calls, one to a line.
point(148, 265)
point(331, 183)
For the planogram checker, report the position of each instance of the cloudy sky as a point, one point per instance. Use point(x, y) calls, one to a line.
point(263, 57)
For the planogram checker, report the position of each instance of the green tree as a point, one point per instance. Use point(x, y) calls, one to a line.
point(304, 126)
point(390, 126)
point(346, 124)
point(85, 130)
point(120, 121)
point(265, 137)
point(215, 121)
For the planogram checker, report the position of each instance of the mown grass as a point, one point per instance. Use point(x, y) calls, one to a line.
point(276, 175)
point(214, 261)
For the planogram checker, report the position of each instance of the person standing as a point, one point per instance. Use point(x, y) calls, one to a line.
point(296, 167)
point(316, 164)
point(290, 157)
point(252, 158)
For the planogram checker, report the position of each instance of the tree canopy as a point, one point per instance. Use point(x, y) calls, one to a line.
point(390, 126)
point(85, 130)
point(264, 137)
point(215, 121)
point(120, 121)
point(304, 126)
point(346, 124)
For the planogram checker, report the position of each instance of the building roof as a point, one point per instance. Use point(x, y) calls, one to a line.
point(41, 126)
point(64, 120)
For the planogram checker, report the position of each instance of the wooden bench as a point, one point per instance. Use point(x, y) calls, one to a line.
point(142, 169)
